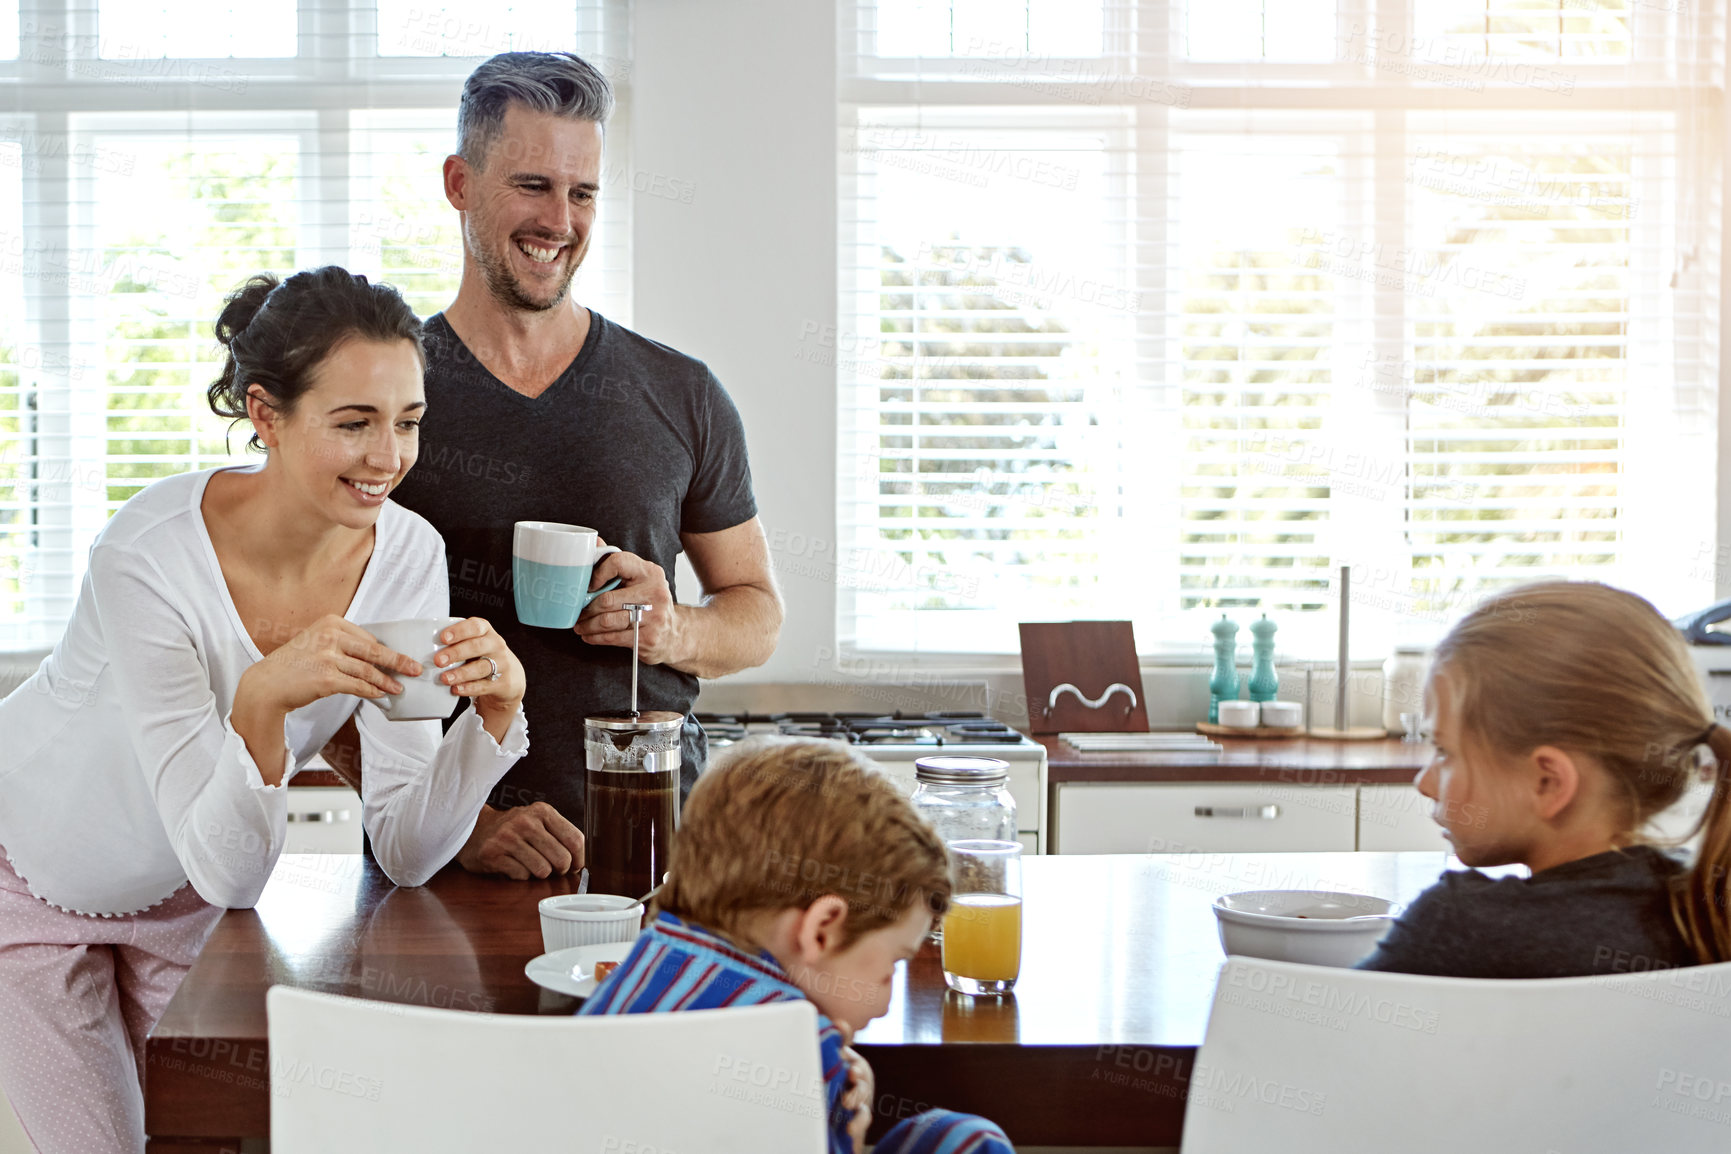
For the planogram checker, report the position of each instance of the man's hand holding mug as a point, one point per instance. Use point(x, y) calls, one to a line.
point(605, 621)
point(554, 566)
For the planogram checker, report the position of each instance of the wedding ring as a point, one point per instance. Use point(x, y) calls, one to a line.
point(495, 666)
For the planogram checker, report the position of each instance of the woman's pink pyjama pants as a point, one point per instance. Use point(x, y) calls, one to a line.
point(78, 995)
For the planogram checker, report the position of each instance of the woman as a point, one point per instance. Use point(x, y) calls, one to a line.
point(212, 651)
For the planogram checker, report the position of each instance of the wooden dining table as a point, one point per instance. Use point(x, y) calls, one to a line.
point(1094, 1047)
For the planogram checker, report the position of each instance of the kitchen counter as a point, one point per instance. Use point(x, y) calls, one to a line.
point(1290, 761)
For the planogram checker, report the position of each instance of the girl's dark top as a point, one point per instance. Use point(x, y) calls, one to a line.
point(1605, 914)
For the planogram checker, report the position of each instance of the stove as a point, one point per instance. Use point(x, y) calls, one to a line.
point(922, 731)
point(894, 740)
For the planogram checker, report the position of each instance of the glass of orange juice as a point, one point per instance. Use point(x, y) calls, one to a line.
point(983, 926)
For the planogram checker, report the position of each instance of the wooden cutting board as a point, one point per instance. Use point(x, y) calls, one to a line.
point(1092, 656)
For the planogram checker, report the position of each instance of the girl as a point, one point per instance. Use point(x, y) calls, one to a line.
point(1566, 715)
point(213, 650)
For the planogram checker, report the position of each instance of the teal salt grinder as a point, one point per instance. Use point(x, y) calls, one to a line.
point(1223, 685)
point(1264, 684)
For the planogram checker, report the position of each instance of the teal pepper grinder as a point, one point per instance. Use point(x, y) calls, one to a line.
point(1223, 685)
point(1264, 685)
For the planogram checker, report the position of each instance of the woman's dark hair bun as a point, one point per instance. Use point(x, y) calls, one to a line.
point(242, 305)
point(277, 332)
point(227, 393)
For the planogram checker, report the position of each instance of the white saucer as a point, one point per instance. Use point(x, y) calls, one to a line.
point(572, 971)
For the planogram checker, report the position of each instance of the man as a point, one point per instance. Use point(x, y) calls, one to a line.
point(541, 409)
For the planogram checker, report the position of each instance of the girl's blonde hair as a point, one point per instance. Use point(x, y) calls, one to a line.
point(1597, 671)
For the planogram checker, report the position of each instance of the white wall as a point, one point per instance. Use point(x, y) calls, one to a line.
point(738, 97)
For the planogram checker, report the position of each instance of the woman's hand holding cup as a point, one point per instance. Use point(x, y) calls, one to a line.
point(328, 657)
point(475, 662)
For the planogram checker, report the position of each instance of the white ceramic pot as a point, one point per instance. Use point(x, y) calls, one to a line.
point(1282, 714)
point(1240, 714)
point(588, 919)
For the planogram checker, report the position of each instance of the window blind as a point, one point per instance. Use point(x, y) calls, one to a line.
point(162, 153)
point(195, 29)
point(413, 28)
point(1428, 290)
point(16, 356)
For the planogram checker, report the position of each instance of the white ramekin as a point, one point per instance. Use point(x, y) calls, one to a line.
point(1240, 714)
point(1282, 714)
point(588, 920)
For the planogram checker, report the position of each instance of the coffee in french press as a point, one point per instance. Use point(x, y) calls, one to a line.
point(632, 804)
point(631, 787)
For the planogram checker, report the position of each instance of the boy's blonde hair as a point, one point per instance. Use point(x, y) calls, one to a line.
point(1597, 671)
point(775, 823)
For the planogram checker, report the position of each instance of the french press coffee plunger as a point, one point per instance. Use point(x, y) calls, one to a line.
point(631, 785)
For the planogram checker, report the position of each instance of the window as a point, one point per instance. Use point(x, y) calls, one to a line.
point(987, 27)
point(1001, 325)
point(126, 219)
point(1260, 30)
point(1541, 29)
point(1179, 316)
point(1258, 370)
point(400, 228)
point(16, 357)
point(178, 219)
point(182, 29)
point(476, 27)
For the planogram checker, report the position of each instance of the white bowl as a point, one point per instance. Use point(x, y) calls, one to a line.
point(569, 920)
point(1316, 927)
point(1282, 714)
point(1240, 714)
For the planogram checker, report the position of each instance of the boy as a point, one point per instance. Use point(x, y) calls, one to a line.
point(799, 871)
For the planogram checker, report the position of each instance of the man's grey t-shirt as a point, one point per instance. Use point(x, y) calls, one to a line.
point(635, 440)
point(1604, 914)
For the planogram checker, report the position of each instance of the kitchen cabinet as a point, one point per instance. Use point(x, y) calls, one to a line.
point(323, 819)
point(1245, 796)
point(1231, 818)
point(1396, 817)
point(1098, 817)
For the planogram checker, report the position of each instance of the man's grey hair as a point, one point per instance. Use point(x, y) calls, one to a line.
point(562, 83)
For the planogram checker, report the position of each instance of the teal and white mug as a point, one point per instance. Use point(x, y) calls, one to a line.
point(551, 565)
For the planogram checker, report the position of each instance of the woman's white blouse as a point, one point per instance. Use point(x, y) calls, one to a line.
point(121, 777)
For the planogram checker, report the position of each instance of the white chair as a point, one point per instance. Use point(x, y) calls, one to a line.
point(350, 1074)
point(1302, 1059)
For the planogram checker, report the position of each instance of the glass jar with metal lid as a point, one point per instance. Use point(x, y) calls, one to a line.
point(965, 799)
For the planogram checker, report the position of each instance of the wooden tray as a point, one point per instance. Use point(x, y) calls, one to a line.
point(1265, 732)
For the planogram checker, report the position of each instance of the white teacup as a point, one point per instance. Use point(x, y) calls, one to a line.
point(588, 920)
point(425, 697)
